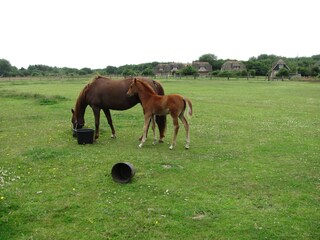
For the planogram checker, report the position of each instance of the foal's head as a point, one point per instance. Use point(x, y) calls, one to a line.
point(139, 86)
point(133, 88)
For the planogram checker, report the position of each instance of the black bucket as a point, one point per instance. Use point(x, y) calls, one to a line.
point(122, 172)
point(85, 135)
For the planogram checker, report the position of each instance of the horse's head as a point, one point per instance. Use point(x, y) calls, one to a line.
point(132, 88)
point(76, 122)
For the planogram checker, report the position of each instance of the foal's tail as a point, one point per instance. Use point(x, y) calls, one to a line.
point(188, 106)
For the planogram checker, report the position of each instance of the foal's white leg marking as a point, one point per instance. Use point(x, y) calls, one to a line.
point(145, 130)
point(186, 126)
point(113, 136)
point(175, 132)
point(142, 141)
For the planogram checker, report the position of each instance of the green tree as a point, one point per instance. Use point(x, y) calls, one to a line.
point(209, 57)
point(5, 68)
point(147, 72)
point(252, 73)
point(283, 72)
point(129, 72)
point(85, 71)
point(188, 70)
point(69, 71)
point(315, 70)
point(212, 60)
point(261, 67)
point(24, 72)
point(111, 70)
point(227, 74)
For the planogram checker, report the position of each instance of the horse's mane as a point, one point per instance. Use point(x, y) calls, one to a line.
point(82, 96)
point(81, 99)
point(97, 77)
point(146, 85)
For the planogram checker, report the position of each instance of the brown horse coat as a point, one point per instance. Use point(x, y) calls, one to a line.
point(104, 93)
point(153, 104)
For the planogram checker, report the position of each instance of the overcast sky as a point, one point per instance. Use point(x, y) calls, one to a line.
point(98, 33)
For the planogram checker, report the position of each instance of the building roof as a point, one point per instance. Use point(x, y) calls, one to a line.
point(233, 65)
point(277, 63)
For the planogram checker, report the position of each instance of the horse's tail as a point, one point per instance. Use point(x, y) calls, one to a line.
point(188, 106)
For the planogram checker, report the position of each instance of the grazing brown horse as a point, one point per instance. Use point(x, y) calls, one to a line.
point(104, 93)
point(154, 104)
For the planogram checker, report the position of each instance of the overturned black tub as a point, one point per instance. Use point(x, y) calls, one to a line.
point(122, 172)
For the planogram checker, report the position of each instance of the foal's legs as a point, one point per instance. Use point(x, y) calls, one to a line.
point(186, 126)
point(175, 131)
point(154, 129)
point(147, 118)
point(108, 116)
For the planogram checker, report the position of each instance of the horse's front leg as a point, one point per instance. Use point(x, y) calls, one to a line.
point(145, 129)
point(140, 138)
point(96, 112)
point(108, 116)
point(175, 131)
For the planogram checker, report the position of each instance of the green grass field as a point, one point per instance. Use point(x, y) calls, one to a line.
point(252, 170)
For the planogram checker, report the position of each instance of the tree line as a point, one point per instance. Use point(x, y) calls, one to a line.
point(255, 66)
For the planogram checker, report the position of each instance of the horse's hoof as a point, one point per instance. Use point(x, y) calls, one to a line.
point(154, 142)
point(140, 145)
point(187, 147)
point(113, 136)
point(171, 147)
point(160, 141)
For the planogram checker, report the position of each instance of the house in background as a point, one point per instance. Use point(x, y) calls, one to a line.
point(168, 69)
point(203, 68)
point(276, 68)
point(233, 65)
point(171, 69)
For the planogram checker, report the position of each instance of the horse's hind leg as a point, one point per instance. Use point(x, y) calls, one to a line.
point(175, 131)
point(108, 116)
point(161, 122)
point(186, 126)
point(154, 129)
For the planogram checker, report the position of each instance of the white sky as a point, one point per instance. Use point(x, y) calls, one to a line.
point(98, 33)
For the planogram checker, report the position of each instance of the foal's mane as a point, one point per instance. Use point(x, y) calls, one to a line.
point(146, 86)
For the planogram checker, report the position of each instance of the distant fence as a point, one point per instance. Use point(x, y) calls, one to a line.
point(42, 78)
point(115, 77)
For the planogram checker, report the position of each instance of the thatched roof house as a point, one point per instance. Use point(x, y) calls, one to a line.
point(233, 65)
point(203, 68)
point(276, 66)
point(168, 69)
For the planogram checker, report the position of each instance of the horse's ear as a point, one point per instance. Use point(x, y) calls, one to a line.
point(72, 110)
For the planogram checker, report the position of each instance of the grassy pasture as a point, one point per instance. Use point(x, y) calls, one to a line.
point(252, 170)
